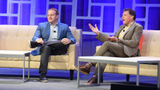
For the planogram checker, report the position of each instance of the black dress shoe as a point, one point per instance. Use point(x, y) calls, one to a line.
point(44, 80)
point(34, 44)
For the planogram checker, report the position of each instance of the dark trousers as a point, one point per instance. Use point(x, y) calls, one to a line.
point(46, 51)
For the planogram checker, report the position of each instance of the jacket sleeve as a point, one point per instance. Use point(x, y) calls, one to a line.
point(70, 36)
point(102, 37)
point(37, 33)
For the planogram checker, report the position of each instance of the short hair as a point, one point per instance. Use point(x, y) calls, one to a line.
point(57, 13)
point(131, 12)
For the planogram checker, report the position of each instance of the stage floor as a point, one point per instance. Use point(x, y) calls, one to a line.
point(10, 79)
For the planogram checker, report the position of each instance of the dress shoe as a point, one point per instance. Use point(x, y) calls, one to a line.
point(93, 80)
point(44, 80)
point(85, 69)
point(34, 44)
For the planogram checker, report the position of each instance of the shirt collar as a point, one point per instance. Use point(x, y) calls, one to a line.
point(53, 25)
point(129, 25)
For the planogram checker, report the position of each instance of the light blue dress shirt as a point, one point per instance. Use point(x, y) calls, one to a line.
point(53, 33)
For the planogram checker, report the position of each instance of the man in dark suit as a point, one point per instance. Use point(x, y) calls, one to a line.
point(123, 44)
point(53, 38)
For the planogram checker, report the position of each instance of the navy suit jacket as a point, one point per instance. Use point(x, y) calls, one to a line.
point(43, 31)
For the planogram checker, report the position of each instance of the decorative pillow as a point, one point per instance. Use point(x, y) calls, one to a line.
point(140, 43)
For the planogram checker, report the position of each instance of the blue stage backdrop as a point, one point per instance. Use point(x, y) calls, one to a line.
point(105, 13)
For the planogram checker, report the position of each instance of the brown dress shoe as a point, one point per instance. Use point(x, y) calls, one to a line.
point(85, 69)
point(93, 80)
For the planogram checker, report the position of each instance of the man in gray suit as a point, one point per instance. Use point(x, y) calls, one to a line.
point(123, 44)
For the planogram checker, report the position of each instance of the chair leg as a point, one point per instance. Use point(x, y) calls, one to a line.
point(127, 77)
point(71, 74)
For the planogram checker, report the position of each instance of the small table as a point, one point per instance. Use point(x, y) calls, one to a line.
point(119, 60)
point(18, 54)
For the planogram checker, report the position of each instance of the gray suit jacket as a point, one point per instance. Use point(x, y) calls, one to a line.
point(130, 40)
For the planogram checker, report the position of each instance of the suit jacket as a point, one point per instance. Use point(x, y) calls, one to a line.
point(130, 39)
point(43, 31)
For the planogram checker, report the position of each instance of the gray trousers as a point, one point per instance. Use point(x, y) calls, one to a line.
point(108, 49)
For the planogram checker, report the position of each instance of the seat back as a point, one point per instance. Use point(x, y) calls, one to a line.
point(151, 43)
point(17, 37)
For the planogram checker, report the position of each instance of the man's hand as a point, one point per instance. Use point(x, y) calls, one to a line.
point(65, 41)
point(112, 39)
point(94, 29)
point(40, 40)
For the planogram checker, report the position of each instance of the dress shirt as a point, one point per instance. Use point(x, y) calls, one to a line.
point(53, 33)
point(122, 33)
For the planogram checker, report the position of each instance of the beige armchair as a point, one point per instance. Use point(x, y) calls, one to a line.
point(63, 62)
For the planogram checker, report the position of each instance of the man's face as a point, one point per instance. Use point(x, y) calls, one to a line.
point(127, 18)
point(52, 17)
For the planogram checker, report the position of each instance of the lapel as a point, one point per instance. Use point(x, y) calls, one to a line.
point(130, 28)
point(59, 30)
point(119, 30)
point(48, 29)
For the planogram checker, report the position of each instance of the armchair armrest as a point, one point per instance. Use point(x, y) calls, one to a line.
point(73, 52)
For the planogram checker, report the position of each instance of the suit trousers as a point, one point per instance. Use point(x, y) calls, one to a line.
point(108, 48)
point(47, 50)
